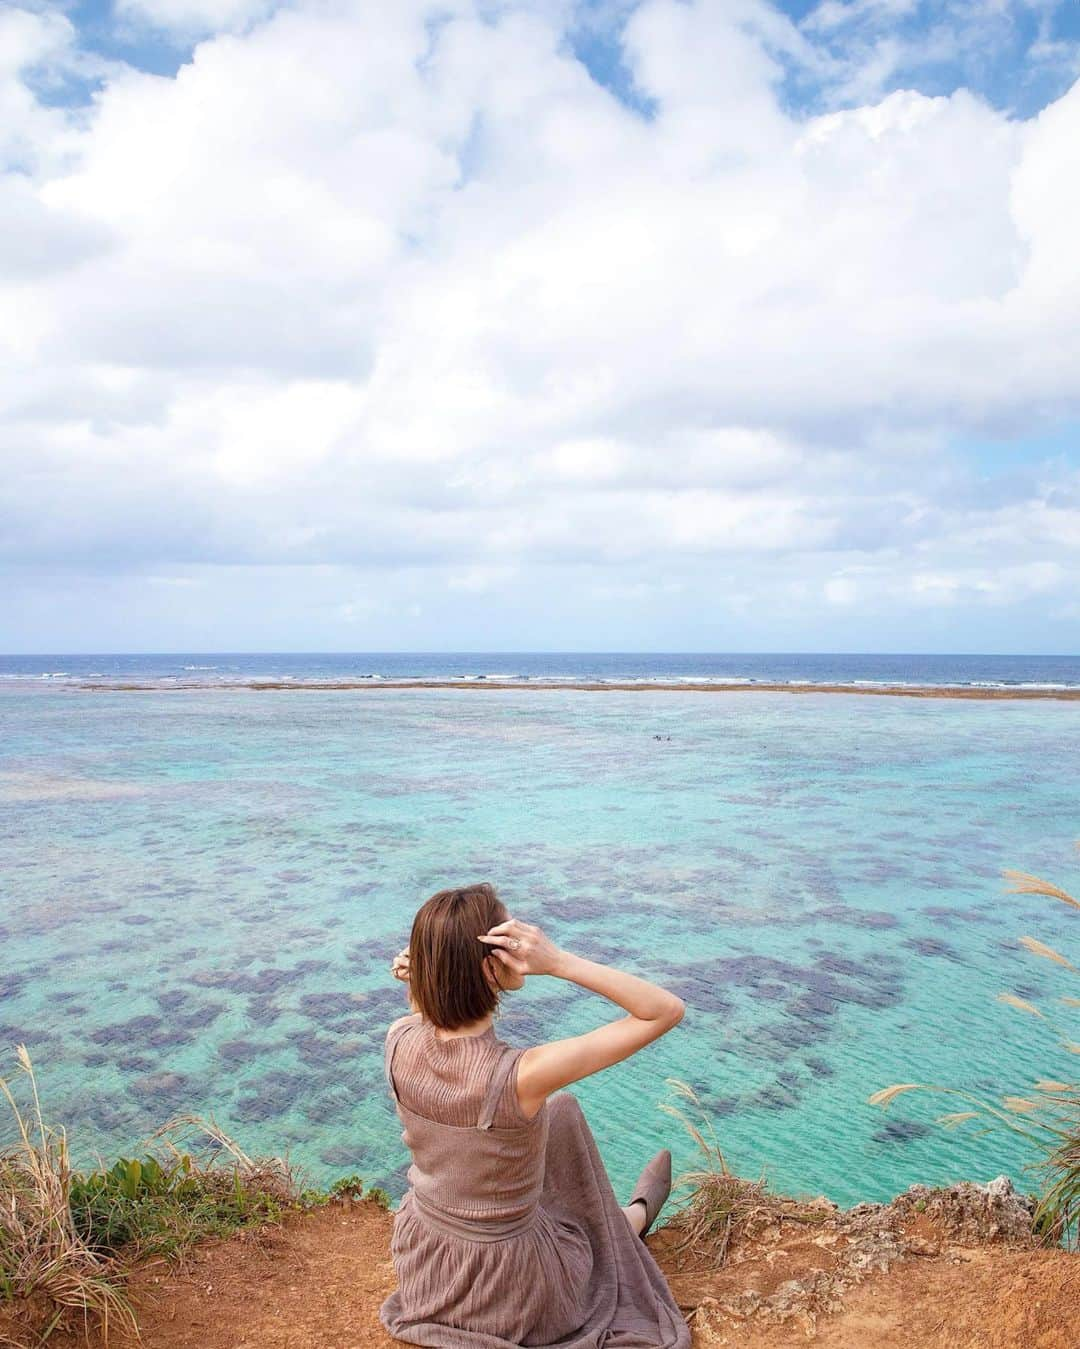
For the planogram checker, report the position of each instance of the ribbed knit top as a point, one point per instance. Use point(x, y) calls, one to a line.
point(447, 1080)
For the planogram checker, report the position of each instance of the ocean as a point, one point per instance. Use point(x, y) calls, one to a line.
point(1043, 672)
point(201, 890)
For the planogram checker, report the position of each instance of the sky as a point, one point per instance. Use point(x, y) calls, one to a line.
point(533, 324)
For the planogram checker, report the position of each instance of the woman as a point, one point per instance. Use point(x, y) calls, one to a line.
point(510, 1234)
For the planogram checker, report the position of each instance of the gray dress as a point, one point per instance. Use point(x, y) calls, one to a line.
point(510, 1234)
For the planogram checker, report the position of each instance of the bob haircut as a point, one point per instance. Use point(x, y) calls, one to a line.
point(447, 980)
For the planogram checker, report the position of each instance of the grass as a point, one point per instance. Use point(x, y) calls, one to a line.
point(69, 1239)
point(1047, 1113)
point(43, 1255)
point(718, 1204)
point(161, 1205)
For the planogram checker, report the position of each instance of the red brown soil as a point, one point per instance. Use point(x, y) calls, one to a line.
point(317, 1282)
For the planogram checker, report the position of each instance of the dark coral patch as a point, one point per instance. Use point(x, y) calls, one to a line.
point(164, 1091)
point(169, 1037)
point(932, 946)
point(796, 1034)
point(240, 1051)
point(853, 917)
point(200, 1017)
point(263, 1012)
point(775, 1096)
point(329, 1006)
point(812, 1005)
point(322, 1050)
point(271, 1096)
point(270, 979)
point(819, 1067)
point(326, 1109)
point(901, 1131)
point(947, 915)
point(698, 991)
point(138, 1028)
point(720, 1106)
point(769, 992)
point(349, 1159)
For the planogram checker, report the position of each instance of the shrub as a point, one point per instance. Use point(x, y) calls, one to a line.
point(68, 1239)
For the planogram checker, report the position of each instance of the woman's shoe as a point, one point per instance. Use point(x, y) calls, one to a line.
point(653, 1187)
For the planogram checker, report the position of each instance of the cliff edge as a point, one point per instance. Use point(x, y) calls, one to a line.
point(953, 1268)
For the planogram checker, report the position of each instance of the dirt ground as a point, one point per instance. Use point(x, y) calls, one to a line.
point(317, 1282)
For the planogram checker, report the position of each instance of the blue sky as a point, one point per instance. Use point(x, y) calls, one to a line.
point(1004, 64)
point(639, 324)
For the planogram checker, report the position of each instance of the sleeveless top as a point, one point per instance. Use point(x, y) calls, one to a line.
point(479, 1179)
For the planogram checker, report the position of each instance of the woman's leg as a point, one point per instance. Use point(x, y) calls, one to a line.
point(650, 1193)
point(635, 1216)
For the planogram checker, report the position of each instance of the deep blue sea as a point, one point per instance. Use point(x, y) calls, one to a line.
point(201, 889)
point(616, 667)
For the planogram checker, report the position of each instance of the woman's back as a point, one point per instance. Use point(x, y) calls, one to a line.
point(447, 1080)
point(475, 1155)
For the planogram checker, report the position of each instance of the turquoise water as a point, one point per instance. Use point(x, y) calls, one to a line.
point(200, 892)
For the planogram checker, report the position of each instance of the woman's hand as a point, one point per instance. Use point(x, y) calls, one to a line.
point(399, 966)
point(523, 948)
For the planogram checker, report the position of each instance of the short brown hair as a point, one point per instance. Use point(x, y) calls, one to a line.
point(446, 958)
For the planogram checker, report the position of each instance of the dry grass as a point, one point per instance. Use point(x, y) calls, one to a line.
point(1023, 884)
point(42, 1255)
point(69, 1239)
point(718, 1204)
point(1048, 1114)
point(211, 1154)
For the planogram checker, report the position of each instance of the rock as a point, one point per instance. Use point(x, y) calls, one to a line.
point(973, 1213)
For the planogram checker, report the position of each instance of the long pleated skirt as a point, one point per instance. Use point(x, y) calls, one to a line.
point(577, 1277)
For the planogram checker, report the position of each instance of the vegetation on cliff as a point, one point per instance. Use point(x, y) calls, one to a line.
point(69, 1239)
point(1047, 1113)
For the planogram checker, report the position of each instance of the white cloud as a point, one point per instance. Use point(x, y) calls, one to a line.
point(403, 286)
point(190, 17)
point(841, 590)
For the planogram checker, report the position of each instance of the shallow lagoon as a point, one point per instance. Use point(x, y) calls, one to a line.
point(200, 892)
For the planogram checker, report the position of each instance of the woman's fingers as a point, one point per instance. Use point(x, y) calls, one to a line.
point(526, 943)
point(518, 966)
point(507, 940)
point(513, 927)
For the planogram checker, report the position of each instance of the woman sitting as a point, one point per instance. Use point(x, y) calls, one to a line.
point(510, 1233)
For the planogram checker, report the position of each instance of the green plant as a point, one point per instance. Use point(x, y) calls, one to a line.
point(1047, 1114)
point(70, 1238)
point(143, 1207)
point(347, 1187)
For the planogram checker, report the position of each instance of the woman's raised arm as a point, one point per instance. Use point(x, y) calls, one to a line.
point(652, 1011)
